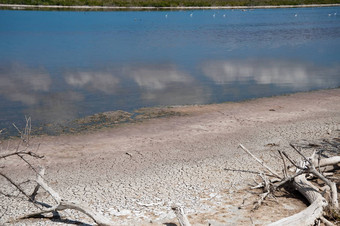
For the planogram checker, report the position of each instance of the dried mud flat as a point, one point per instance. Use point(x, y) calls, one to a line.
point(134, 173)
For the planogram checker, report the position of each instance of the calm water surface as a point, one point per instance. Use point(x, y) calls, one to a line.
point(58, 66)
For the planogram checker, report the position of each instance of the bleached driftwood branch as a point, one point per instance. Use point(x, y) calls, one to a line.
point(313, 211)
point(62, 204)
point(317, 202)
point(23, 149)
point(261, 162)
point(182, 218)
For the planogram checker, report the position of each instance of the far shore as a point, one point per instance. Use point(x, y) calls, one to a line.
point(47, 7)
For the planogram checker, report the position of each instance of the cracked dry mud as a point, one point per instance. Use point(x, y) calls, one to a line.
point(134, 173)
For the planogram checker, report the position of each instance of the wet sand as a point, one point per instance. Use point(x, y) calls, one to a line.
point(135, 172)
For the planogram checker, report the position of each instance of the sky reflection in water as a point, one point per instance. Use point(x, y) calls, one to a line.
point(58, 66)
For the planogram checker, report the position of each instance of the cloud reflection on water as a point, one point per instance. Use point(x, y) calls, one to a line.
point(295, 75)
point(153, 84)
point(166, 85)
point(131, 87)
point(157, 77)
point(23, 84)
point(32, 88)
point(94, 81)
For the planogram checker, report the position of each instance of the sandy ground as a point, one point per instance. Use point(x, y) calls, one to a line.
point(134, 173)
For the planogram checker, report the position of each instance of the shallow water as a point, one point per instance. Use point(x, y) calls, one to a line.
point(59, 65)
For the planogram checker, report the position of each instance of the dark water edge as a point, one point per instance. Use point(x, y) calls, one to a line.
point(110, 119)
point(114, 119)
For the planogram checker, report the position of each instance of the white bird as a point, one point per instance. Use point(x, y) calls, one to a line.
point(329, 14)
point(214, 15)
point(166, 15)
point(334, 14)
point(296, 15)
point(191, 14)
point(223, 15)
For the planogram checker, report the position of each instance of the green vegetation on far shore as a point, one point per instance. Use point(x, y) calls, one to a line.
point(167, 3)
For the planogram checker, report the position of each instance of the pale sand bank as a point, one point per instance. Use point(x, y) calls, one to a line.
point(183, 160)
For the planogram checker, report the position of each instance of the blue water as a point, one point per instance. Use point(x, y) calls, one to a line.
point(59, 65)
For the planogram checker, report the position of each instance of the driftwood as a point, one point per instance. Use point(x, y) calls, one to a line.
point(312, 212)
point(260, 161)
point(61, 204)
point(181, 217)
point(318, 203)
point(65, 204)
point(23, 149)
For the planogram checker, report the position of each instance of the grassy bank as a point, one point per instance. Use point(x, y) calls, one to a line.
point(167, 3)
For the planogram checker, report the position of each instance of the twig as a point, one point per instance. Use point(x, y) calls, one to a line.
point(22, 153)
point(19, 189)
point(326, 222)
point(298, 151)
point(64, 204)
point(332, 185)
point(291, 161)
point(284, 164)
point(19, 131)
point(260, 161)
point(182, 218)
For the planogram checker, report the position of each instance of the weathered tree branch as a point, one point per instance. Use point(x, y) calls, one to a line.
point(306, 166)
point(65, 204)
point(182, 218)
point(18, 153)
point(260, 161)
point(18, 188)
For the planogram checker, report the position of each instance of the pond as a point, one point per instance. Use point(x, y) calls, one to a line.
point(57, 66)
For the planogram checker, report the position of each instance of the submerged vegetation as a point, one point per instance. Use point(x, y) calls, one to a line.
point(167, 3)
point(97, 121)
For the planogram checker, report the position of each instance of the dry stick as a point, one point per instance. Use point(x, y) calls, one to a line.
point(312, 212)
point(284, 164)
point(19, 131)
point(260, 161)
point(326, 222)
point(332, 185)
point(318, 203)
point(22, 153)
point(29, 164)
point(182, 218)
point(291, 161)
point(19, 189)
point(64, 204)
point(266, 186)
point(299, 152)
point(290, 178)
point(311, 169)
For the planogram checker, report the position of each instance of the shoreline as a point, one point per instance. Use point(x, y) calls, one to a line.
point(118, 118)
point(193, 160)
point(113, 8)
